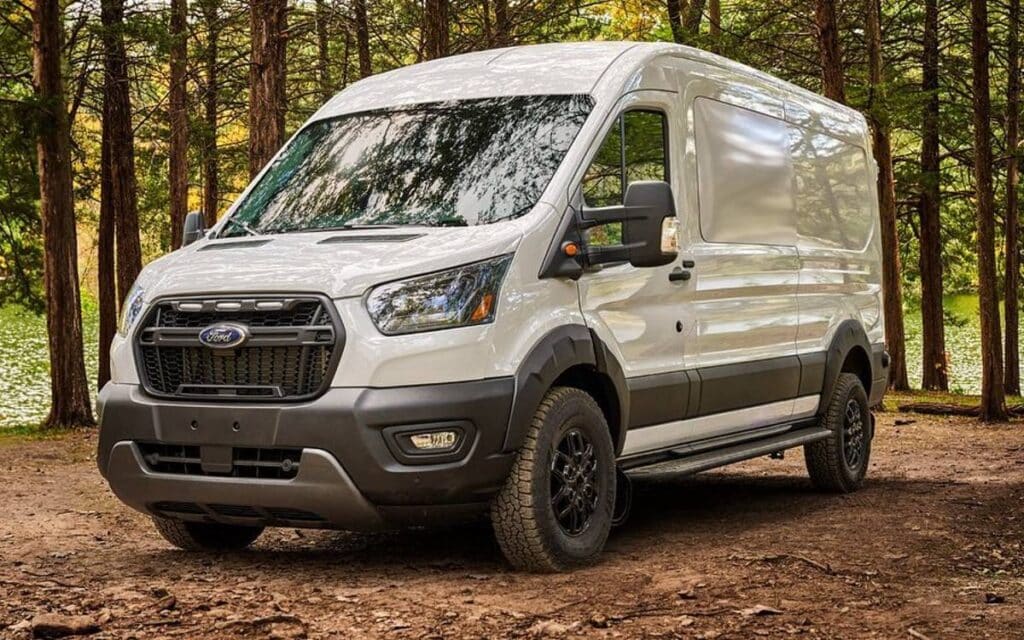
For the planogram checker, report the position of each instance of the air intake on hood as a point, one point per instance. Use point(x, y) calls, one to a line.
point(366, 238)
point(236, 244)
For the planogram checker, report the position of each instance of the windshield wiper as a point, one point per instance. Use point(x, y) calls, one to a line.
point(243, 226)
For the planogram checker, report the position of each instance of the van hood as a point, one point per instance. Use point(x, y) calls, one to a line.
point(337, 263)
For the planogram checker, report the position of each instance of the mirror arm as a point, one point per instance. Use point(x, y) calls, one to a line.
point(614, 253)
point(595, 217)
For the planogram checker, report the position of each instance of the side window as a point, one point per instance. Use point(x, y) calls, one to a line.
point(635, 149)
point(744, 175)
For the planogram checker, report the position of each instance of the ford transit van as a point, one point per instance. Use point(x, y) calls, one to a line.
point(497, 282)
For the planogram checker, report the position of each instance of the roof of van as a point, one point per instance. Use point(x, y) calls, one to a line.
point(562, 68)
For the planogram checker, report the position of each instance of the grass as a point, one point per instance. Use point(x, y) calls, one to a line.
point(25, 365)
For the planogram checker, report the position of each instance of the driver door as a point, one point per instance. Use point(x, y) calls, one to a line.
point(641, 314)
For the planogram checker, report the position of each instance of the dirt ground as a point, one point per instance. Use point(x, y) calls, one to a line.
point(931, 548)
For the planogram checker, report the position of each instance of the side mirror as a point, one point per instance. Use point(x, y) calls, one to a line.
point(643, 233)
point(644, 215)
point(194, 228)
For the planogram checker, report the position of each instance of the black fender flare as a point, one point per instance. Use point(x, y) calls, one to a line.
point(554, 354)
point(848, 335)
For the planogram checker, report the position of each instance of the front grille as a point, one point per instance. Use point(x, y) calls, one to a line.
point(246, 462)
point(292, 346)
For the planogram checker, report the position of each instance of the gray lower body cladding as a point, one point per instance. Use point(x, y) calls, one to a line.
point(349, 475)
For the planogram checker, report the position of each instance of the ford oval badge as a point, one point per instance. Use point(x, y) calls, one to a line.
point(224, 335)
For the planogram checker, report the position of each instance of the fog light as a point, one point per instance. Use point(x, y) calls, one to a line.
point(434, 440)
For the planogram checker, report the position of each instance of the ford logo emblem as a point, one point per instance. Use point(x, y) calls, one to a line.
point(224, 335)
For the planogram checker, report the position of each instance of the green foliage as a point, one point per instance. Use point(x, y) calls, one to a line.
point(25, 374)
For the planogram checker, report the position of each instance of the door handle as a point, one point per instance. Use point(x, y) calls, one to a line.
point(689, 264)
point(679, 274)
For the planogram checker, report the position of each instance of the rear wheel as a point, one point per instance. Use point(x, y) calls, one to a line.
point(206, 536)
point(556, 507)
point(840, 462)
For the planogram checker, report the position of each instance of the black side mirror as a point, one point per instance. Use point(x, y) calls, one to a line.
point(642, 234)
point(195, 227)
point(643, 213)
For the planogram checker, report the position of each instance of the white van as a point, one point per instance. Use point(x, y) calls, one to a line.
point(497, 282)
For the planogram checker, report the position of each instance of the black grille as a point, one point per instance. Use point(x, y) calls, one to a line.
point(290, 353)
point(246, 462)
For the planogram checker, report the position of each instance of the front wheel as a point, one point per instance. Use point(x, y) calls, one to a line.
point(838, 463)
point(557, 505)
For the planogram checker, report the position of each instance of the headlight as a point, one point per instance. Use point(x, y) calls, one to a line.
point(461, 297)
point(130, 310)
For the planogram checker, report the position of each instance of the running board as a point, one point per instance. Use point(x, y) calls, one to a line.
point(686, 461)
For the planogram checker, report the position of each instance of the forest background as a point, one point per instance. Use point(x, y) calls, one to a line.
point(117, 117)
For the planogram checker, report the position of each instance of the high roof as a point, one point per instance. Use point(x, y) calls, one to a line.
point(562, 68)
point(565, 68)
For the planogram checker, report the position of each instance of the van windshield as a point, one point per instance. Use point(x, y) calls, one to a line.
point(457, 163)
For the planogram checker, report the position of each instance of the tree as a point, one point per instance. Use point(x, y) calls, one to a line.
point(267, 75)
point(435, 29)
point(833, 80)
point(993, 400)
point(211, 173)
point(70, 405)
point(178, 120)
point(362, 37)
point(892, 289)
point(323, 53)
point(934, 375)
point(715, 22)
point(502, 26)
point(1011, 371)
point(119, 216)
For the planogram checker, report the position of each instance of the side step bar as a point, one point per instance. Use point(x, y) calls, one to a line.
point(685, 461)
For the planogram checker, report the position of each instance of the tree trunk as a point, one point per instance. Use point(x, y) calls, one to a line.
point(502, 26)
point(178, 120)
point(323, 55)
point(119, 214)
point(675, 20)
point(832, 80)
point(993, 400)
point(933, 333)
point(1011, 371)
point(692, 19)
point(211, 169)
point(362, 37)
point(267, 81)
point(105, 274)
point(715, 21)
point(892, 292)
point(70, 405)
point(435, 29)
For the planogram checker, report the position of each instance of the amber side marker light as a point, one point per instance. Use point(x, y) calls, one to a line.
point(483, 310)
point(571, 249)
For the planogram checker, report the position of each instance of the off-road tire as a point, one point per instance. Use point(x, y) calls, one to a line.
point(206, 536)
point(826, 459)
point(522, 514)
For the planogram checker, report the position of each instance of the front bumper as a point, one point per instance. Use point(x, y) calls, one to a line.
point(348, 477)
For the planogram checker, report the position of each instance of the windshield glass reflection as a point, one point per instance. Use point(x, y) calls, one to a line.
point(457, 163)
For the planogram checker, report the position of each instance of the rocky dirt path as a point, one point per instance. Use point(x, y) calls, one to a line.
point(932, 548)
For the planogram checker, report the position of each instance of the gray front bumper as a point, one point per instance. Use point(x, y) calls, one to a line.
point(321, 494)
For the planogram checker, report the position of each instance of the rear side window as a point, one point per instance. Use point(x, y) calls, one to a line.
point(744, 175)
point(762, 180)
point(833, 192)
